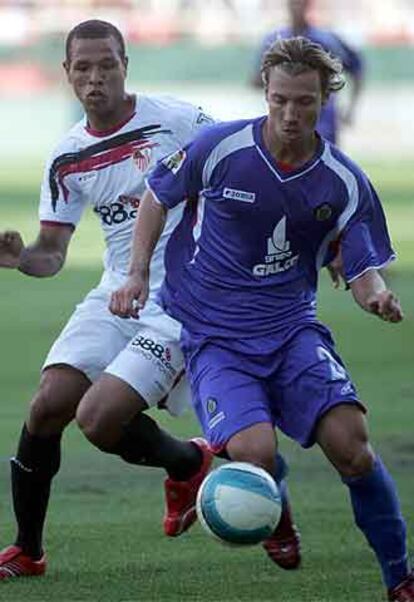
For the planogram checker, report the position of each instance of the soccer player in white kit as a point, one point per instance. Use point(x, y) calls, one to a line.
point(131, 365)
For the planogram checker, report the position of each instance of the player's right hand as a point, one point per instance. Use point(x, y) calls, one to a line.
point(386, 306)
point(127, 301)
point(11, 246)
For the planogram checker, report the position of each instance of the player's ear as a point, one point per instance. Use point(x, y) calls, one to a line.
point(126, 63)
point(65, 66)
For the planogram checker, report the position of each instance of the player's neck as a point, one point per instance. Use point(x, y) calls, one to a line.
point(112, 119)
point(299, 26)
point(294, 153)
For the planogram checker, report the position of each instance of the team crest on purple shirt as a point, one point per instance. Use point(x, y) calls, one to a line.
point(211, 405)
point(323, 212)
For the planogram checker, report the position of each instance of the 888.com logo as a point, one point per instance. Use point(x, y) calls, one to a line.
point(156, 352)
point(123, 209)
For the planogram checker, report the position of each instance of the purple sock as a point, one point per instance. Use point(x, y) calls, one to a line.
point(377, 513)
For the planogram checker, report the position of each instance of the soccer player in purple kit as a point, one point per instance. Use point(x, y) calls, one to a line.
point(331, 118)
point(266, 198)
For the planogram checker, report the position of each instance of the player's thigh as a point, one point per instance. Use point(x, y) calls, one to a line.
point(310, 380)
point(54, 404)
point(152, 363)
point(227, 400)
point(342, 434)
point(92, 338)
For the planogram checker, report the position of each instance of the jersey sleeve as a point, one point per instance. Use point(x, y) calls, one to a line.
point(188, 123)
point(365, 242)
point(177, 177)
point(61, 201)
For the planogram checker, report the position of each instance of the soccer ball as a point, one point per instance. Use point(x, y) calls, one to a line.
point(239, 503)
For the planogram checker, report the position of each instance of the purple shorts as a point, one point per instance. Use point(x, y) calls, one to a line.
point(291, 388)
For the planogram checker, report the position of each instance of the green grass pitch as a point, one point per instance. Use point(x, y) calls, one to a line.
point(104, 538)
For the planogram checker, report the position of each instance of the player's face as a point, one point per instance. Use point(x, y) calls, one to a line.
point(96, 70)
point(294, 103)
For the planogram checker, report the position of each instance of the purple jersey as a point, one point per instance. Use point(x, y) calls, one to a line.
point(351, 60)
point(242, 264)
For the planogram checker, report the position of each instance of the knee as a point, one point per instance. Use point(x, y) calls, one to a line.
point(356, 461)
point(343, 436)
point(94, 425)
point(55, 402)
point(47, 414)
point(257, 456)
point(259, 453)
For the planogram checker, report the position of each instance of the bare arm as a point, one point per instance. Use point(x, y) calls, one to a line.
point(371, 293)
point(44, 257)
point(148, 227)
point(147, 231)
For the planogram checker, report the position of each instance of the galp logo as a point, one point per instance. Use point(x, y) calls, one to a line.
point(278, 243)
point(279, 258)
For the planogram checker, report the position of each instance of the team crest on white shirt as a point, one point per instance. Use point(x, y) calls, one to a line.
point(142, 157)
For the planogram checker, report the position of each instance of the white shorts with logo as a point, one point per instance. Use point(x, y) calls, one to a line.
point(144, 353)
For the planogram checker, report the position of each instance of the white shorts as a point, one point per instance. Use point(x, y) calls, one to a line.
point(144, 353)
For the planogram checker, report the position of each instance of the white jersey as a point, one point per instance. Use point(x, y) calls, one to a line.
point(107, 170)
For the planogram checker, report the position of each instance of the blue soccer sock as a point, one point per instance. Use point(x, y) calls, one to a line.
point(377, 513)
point(282, 470)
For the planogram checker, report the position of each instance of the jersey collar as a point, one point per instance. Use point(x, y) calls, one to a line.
point(116, 128)
point(282, 174)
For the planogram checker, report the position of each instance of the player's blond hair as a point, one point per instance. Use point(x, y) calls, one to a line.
point(298, 55)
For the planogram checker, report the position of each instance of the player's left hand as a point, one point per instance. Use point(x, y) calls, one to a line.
point(130, 299)
point(11, 247)
point(386, 306)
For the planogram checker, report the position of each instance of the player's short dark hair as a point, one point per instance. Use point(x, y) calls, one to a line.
point(297, 55)
point(94, 29)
